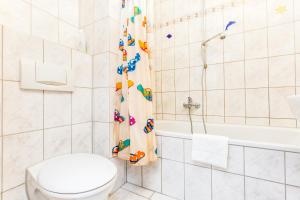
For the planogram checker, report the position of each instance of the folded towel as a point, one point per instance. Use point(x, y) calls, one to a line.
point(210, 149)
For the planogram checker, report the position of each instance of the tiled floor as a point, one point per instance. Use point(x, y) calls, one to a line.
point(132, 192)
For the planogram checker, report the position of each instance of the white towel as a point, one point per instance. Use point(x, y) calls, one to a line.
point(210, 149)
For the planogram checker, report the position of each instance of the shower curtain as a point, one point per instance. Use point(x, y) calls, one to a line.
point(133, 136)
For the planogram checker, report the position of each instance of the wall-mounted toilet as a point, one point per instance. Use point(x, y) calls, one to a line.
point(75, 176)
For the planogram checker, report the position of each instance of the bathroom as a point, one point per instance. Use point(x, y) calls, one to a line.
point(227, 68)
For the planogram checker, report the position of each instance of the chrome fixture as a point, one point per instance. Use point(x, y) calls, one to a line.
point(190, 104)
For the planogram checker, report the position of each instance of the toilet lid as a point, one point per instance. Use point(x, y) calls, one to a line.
point(76, 173)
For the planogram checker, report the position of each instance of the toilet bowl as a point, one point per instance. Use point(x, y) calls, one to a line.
point(75, 176)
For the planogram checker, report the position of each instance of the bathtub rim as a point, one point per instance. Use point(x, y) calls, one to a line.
point(237, 142)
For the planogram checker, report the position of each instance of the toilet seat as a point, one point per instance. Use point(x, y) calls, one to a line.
point(75, 174)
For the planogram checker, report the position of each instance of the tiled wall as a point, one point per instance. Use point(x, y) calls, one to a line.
point(53, 20)
point(250, 73)
point(252, 174)
point(99, 19)
point(38, 125)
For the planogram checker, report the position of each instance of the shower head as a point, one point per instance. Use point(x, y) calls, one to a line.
point(221, 36)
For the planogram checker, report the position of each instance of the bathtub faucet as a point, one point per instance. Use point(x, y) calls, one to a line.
point(190, 104)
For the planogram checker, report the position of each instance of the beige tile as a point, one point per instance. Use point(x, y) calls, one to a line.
point(182, 56)
point(281, 40)
point(195, 78)
point(168, 82)
point(288, 123)
point(57, 141)
point(234, 47)
point(81, 105)
point(282, 71)
point(237, 13)
point(297, 36)
point(279, 107)
point(182, 79)
point(213, 22)
point(259, 20)
point(274, 17)
point(197, 98)
point(44, 25)
point(258, 121)
point(181, 33)
point(168, 102)
point(196, 30)
point(234, 75)
point(19, 152)
point(158, 82)
point(82, 66)
point(256, 73)
point(214, 77)
point(195, 55)
point(16, 46)
point(215, 102)
point(167, 60)
point(257, 103)
point(297, 69)
point(256, 44)
point(214, 52)
point(235, 103)
point(22, 109)
point(82, 138)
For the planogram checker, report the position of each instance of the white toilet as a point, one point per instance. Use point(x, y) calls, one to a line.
point(75, 176)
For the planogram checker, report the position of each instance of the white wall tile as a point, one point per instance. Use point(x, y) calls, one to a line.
point(44, 25)
point(81, 105)
point(173, 179)
point(49, 6)
point(235, 160)
point(172, 149)
point(168, 81)
point(102, 36)
point(82, 66)
point(22, 110)
point(234, 75)
point(292, 193)
point(102, 70)
point(197, 182)
point(19, 152)
point(258, 162)
point(181, 33)
point(168, 102)
point(101, 141)
point(195, 29)
point(134, 174)
point(70, 36)
point(16, 46)
point(57, 109)
point(214, 77)
point(195, 78)
point(292, 168)
point(57, 54)
point(17, 193)
point(297, 36)
point(261, 190)
point(194, 53)
point(152, 176)
point(69, 11)
point(182, 78)
point(227, 186)
point(120, 164)
point(16, 14)
point(215, 102)
point(86, 16)
point(82, 136)
point(57, 141)
point(101, 105)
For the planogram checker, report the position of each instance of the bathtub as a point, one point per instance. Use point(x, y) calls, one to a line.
point(284, 139)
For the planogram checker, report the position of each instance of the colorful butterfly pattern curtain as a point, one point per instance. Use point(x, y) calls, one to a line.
point(133, 136)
